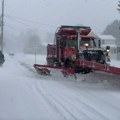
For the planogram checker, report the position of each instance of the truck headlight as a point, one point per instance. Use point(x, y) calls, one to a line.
point(86, 44)
point(108, 50)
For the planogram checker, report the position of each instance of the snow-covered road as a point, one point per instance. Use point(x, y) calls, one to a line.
point(25, 95)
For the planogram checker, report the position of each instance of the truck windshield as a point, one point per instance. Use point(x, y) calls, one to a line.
point(83, 41)
point(71, 43)
point(89, 41)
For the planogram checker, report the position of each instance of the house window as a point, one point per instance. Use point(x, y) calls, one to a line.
point(111, 50)
point(103, 42)
point(115, 50)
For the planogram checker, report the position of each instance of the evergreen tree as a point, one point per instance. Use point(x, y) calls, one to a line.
point(113, 29)
point(118, 6)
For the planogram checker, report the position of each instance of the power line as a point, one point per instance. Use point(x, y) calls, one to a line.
point(30, 21)
point(28, 26)
point(18, 21)
point(11, 27)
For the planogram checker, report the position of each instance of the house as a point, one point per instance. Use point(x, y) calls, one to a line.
point(108, 40)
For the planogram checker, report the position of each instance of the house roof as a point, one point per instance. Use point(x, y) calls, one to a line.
point(106, 37)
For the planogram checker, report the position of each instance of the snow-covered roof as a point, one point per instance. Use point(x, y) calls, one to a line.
point(106, 37)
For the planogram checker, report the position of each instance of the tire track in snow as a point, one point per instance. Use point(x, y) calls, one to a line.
point(75, 103)
point(56, 104)
point(84, 105)
point(66, 102)
point(77, 112)
point(110, 80)
point(81, 95)
point(104, 99)
point(99, 103)
point(43, 102)
point(91, 94)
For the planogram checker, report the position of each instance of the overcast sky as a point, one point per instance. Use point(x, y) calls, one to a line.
point(47, 15)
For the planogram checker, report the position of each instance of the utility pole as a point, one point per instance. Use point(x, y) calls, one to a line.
point(2, 26)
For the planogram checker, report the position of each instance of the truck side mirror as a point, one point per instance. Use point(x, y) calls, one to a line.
point(99, 43)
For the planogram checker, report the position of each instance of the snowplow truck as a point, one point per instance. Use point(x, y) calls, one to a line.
point(72, 43)
point(75, 51)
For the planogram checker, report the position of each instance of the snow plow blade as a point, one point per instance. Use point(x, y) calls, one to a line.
point(98, 67)
point(69, 72)
point(42, 71)
point(46, 70)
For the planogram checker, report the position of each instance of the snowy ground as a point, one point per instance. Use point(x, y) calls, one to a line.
point(25, 95)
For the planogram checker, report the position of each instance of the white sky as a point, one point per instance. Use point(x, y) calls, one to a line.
point(54, 13)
